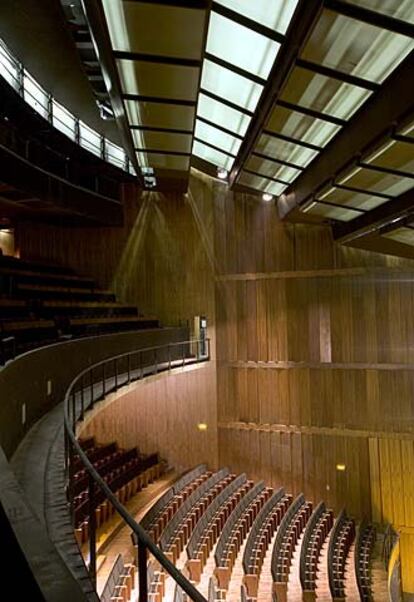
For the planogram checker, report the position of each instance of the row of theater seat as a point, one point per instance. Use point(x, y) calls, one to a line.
point(242, 510)
point(41, 304)
point(120, 583)
point(125, 471)
point(363, 552)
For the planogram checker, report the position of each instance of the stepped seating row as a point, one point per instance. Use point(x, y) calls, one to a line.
point(235, 531)
point(167, 511)
point(364, 547)
point(343, 534)
point(120, 582)
point(210, 525)
point(259, 539)
point(215, 593)
point(180, 528)
point(316, 532)
point(125, 472)
point(42, 304)
point(287, 537)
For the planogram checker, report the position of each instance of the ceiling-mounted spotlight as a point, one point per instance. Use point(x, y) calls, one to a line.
point(148, 177)
point(266, 196)
point(222, 173)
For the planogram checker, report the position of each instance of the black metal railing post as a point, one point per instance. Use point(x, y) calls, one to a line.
point(142, 572)
point(82, 395)
point(92, 399)
point(92, 530)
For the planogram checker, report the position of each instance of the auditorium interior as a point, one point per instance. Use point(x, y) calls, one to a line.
point(207, 300)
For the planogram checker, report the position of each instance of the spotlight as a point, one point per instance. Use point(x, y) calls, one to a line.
point(266, 196)
point(222, 173)
point(106, 113)
point(202, 426)
point(341, 467)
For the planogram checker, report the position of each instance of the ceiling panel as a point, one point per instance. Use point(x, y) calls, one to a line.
point(162, 141)
point(161, 115)
point(153, 28)
point(163, 161)
point(231, 86)
point(327, 211)
point(216, 137)
point(404, 235)
point(323, 94)
point(223, 115)
point(399, 9)
point(354, 47)
point(393, 155)
point(272, 169)
point(284, 150)
point(301, 127)
point(261, 183)
point(350, 198)
point(214, 156)
point(240, 46)
point(376, 181)
point(275, 14)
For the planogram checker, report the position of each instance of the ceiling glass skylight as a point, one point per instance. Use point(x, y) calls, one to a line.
point(261, 183)
point(272, 169)
point(161, 115)
point(399, 9)
point(216, 137)
point(230, 85)
point(212, 155)
point(240, 46)
point(221, 114)
point(162, 161)
point(403, 235)
point(275, 14)
point(394, 155)
point(323, 94)
point(376, 181)
point(301, 127)
point(162, 141)
point(358, 200)
point(355, 47)
point(284, 150)
point(332, 212)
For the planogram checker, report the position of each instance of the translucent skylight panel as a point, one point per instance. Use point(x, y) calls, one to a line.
point(217, 137)
point(394, 155)
point(230, 86)
point(152, 28)
point(332, 212)
point(35, 96)
point(301, 127)
point(8, 66)
point(162, 161)
point(359, 200)
point(89, 139)
point(407, 130)
point(286, 151)
point(403, 235)
point(158, 79)
point(272, 169)
point(275, 14)
point(260, 183)
point(399, 9)
point(323, 94)
point(212, 155)
point(114, 154)
point(63, 120)
point(162, 141)
point(161, 115)
point(223, 115)
point(356, 47)
point(240, 46)
point(376, 181)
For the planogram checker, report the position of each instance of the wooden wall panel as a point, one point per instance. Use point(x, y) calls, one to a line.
point(161, 414)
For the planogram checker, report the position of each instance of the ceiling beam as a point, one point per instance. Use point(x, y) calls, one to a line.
point(396, 209)
point(255, 26)
point(301, 26)
point(100, 36)
point(389, 105)
point(335, 74)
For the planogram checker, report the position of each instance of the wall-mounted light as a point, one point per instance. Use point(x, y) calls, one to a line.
point(341, 467)
point(202, 426)
point(266, 196)
point(222, 173)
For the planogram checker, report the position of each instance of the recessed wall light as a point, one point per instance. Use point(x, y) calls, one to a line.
point(341, 467)
point(222, 173)
point(266, 196)
point(202, 426)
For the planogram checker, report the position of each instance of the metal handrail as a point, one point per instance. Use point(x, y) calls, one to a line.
point(72, 447)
